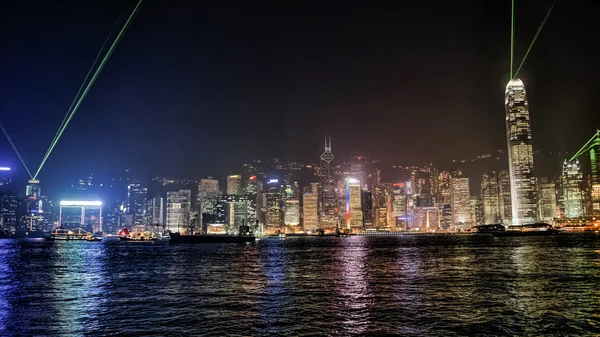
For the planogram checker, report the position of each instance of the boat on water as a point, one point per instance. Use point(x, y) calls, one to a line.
point(126, 235)
point(210, 238)
point(487, 229)
point(536, 229)
point(244, 235)
point(70, 234)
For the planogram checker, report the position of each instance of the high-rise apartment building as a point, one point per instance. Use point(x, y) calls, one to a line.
point(178, 210)
point(520, 154)
point(234, 184)
point(461, 208)
point(572, 189)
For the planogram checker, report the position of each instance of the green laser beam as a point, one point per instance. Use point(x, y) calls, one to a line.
point(512, 37)
point(16, 151)
point(87, 76)
point(535, 37)
point(90, 83)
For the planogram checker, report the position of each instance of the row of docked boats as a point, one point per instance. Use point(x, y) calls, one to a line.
point(536, 229)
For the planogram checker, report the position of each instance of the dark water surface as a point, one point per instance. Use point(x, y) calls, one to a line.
point(414, 285)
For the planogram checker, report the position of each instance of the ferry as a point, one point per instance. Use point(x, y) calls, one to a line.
point(70, 234)
point(487, 229)
point(536, 229)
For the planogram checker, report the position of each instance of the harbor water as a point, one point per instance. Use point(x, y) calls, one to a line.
point(411, 285)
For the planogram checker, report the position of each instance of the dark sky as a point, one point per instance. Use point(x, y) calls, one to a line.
point(195, 91)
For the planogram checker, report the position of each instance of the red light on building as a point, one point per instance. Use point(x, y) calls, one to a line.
point(252, 177)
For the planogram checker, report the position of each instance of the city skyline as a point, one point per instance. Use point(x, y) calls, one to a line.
point(370, 102)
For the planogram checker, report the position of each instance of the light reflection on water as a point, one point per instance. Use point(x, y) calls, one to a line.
point(410, 285)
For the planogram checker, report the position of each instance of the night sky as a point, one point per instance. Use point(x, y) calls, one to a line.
point(196, 91)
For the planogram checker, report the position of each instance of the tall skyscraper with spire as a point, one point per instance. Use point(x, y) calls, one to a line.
point(520, 154)
point(328, 195)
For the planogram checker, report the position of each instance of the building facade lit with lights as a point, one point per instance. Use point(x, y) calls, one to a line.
point(156, 213)
point(461, 205)
point(547, 200)
point(329, 200)
point(354, 215)
point(254, 194)
point(426, 218)
point(310, 209)
point(490, 197)
point(520, 154)
point(178, 210)
point(274, 206)
point(208, 194)
point(136, 204)
point(292, 212)
point(9, 204)
point(234, 184)
point(81, 214)
point(572, 189)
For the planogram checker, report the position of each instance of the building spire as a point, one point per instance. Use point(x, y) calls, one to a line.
point(327, 155)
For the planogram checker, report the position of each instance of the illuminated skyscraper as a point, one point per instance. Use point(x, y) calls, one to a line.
point(397, 207)
point(310, 209)
point(234, 184)
point(354, 216)
point(367, 208)
point(178, 210)
point(136, 203)
point(155, 212)
point(505, 197)
point(274, 206)
point(35, 212)
point(490, 196)
point(236, 212)
point(476, 207)
point(547, 199)
point(254, 194)
point(572, 189)
point(208, 194)
point(520, 154)
point(461, 208)
point(329, 202)
point(9, 203)
point(292, 212)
